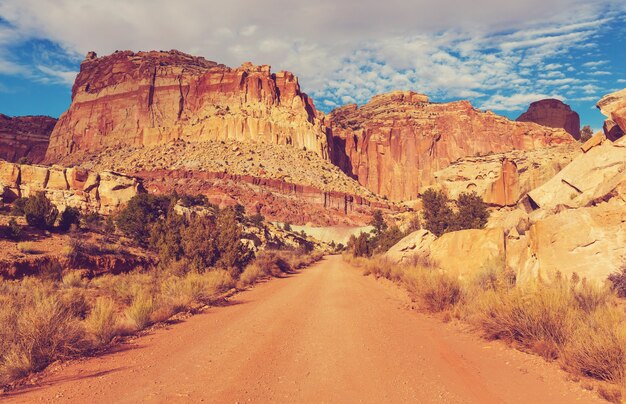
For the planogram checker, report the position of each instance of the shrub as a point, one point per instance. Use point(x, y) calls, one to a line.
point(435, 290)
point(388, 239)
point(72, 279)
point(585, 133)
point(198, 240)
point(69, 217)
point(165, 238)
point(438, 216)
point(18, 207)
point(472, 212)
point(257, 219)
point(618, 282)
point(13, 230)
point(40, 212)
point(361, 245)
point(27, 248)
point(232, 252)
point(140, 310)
point(102, 321)
point(141, 211)
point(378, 222)
point(287, 226)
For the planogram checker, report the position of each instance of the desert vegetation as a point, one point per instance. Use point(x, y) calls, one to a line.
point(579, 324)
point(61, 313)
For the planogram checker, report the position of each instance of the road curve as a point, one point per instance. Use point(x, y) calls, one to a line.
point(326, 334)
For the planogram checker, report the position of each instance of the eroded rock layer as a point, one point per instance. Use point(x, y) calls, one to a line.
point(553, 113)
point(394, 144)
point(150, 98)
point(25, 137)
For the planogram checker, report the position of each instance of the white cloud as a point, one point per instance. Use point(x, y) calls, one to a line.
point(621, 80)
point(600, 73)
point(515, 102)
point(595, 63)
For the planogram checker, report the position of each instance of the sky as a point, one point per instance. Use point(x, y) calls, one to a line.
point(501, 55)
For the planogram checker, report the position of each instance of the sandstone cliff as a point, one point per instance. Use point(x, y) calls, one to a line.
point(553, 113)
point(613, 106)
point(394, 144)
point(102, 192)
point(150, 98)
point(25, 137)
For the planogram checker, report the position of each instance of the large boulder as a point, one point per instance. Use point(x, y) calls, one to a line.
point(33, 179)
point(115, 190)
point(613, 106)
point(10, 180)
point(468, 252)
point(590, 177)
point(413, 246)
point(553, 113)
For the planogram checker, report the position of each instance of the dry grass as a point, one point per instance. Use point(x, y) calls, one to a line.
point(27, 247)
point(569, 320)
point(140, 311)
point(102, 323)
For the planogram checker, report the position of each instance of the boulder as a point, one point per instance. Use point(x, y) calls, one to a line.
point(467, 252)
point(594, 141)
point(553, 113)
point(57, 180)
point(413, 246)
point(115, 190)
point(33, 179)
point(588, 178)
point(613, 106)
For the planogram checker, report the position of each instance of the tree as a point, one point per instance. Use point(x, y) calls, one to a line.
point(69, 217)
point(199, 243)
point(18, 206)
point(586, 133)
point(378, 222)
point(257, 219)
point(362, 247)
point(388, 239)
point(472, 214)
point(40, 212)
point(438, 216)
point(165, 237)
point(287, 226)
point(139, 214)
point(233, 254)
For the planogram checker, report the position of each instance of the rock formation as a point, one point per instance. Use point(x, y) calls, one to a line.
point(150, 98)
point(613, 106)
point(553, 113)
point(102, 192)
point(394, 144)
point(25, 137)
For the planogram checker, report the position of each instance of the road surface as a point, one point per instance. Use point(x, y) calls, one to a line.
point(327, 334)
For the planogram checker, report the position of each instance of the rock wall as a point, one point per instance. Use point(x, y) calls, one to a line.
point(394, 144)
point(102, 192)
point(149, 98)
point(613, 106)
point(553, 113)
point(25, 137)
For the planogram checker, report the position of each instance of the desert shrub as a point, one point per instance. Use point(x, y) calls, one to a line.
point(40, 212)
point(140, 310)
point(76, 301)
point(72, 279)
point(472, 212)
point(618, 282)
point(193, 200)
point(51, 270)
point(378, 222)
point(69, 217)
point(251, 274)
point(388, 239)
point(438, 216)
point(287, 226)
point(585, 133)
point(140, 213)
point(257, 219)
point(199, 243)
point(597, 347)
point(165, 238)
point(361, 245)
point(414, 224)
point(18, 207)
point(101, 323)
point(232, 252)
point(12, 230)
point(27, 247)
point(435, 290)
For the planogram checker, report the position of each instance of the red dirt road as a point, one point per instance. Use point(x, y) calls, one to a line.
point(327, 334)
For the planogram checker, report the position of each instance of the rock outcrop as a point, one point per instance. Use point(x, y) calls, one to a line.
point(102, 192)
point(613, 106)
point(149, 98)
point(25, 137)
point(553, 113)
point(394, 144)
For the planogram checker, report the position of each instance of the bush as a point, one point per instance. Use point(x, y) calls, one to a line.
point(140, 310)
point(12, 231)
point(618, 282)
point(140, 213)
point(199, 243)
point(378, 222)
point(257, 219)
point(361, 245)
point(69, 217)
point(287, 226)
point(18, 207)
point(102, 321)
point(585, 133)
point(233, 254)
point(27, 248)
point(472, 212)
point(435, 290)
point(40, 212)
point(438, 216)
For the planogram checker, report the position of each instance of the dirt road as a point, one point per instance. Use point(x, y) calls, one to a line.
point(327, 334)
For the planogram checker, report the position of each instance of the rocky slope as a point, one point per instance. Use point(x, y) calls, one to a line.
point(280, 182)
point(613, 106)
point(150, 98)
point(553, 113)
point(394, 144)
point(25, 137)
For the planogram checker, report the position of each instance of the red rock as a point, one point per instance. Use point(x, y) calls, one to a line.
point(147, 98)
point(553, 113)
point(613, 106)
point(25, 137)
point(395, 143)
point(505, 191)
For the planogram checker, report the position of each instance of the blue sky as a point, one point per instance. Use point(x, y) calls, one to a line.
point(499, 55)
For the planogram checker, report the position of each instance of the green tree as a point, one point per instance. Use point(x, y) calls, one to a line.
point(378, 222)
point(472, 212)
point(438, 215)
point(40, 212)
point(69, 217)
point(362, 246)
point(18, 206)
point(585, 133)
point(166, 239)
point(287, 226)
point(199, 243)
point(233, 254)
point(388, 239)
point(141, 211)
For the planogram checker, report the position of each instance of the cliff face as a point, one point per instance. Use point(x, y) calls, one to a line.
point(394, 144)
point(555, 114)
point(25, 137)
point(150, 98)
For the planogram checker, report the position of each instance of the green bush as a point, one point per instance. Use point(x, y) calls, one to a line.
point(287, 226)
point(69, 217)
point(199, 243)
point(18, 206)
point(439, 218)
point(13, 230)
point(257, 219)
point(140, 213)
point(233, 254)
point(378, 222)
point(472, 212)
point(40, 212)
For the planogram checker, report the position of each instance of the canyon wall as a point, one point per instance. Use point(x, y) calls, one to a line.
point(25, 137)
point(395, 143)
point(149, 98)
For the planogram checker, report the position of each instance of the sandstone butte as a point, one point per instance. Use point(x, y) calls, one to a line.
point(395, 143)
point(149, 98)
point(25, 137)
point(613, 106)
point(553, 113)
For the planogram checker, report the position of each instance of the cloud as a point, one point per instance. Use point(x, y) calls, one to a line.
point(514, 102)
point(595, 63)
